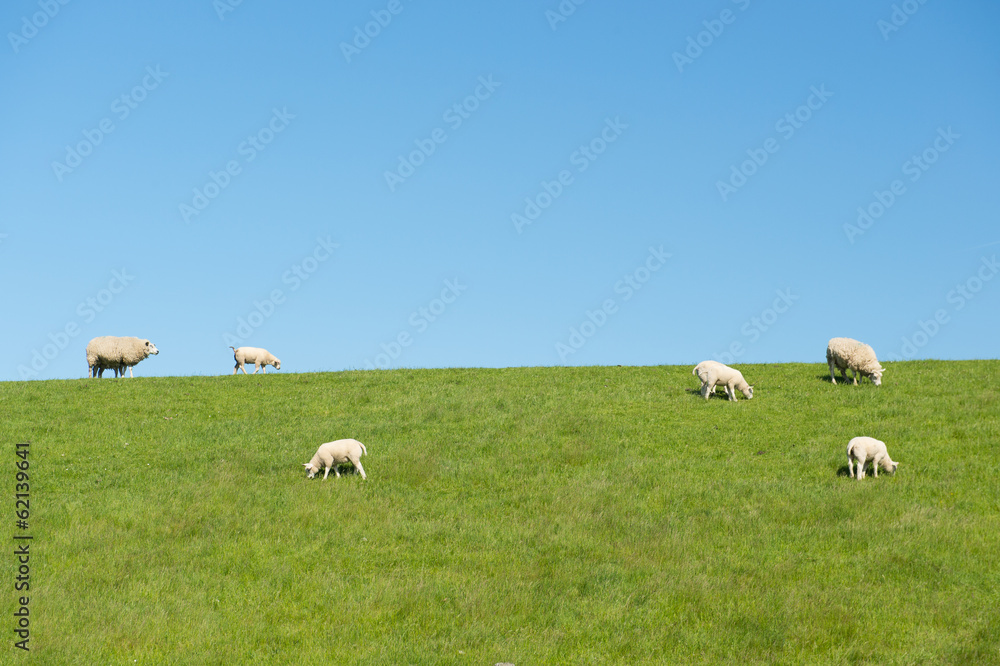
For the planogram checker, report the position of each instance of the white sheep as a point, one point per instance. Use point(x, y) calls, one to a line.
point(261, 358)
point(712, 373)
point(329, 455)
point(868, 449)
point(849, 354)
point(110, 352)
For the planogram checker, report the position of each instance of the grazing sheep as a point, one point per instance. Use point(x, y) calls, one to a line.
point(849, 354)
point(329, 455)
point(868, 449)
point(110, 352)
point(712, 373)
point(261, 358)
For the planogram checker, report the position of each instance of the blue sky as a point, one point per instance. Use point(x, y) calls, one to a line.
point(415, 184)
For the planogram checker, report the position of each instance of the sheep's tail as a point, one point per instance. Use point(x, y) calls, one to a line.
point(850, 448)
point(364, 451)
point(694, 371)
point(232, 347)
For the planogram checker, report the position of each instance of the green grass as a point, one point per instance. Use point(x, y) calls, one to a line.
point(603, 515)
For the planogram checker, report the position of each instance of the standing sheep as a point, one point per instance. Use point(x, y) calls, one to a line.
point(110, 352)
point(712, 373)
point(849, 354)
point(261, 358)
point(868, 449)
point(329, 455)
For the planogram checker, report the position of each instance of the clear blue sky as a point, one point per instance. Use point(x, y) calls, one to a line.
point(497, 184)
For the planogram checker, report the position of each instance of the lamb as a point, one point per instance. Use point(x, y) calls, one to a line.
point(849, 354)
point(712, 373)
point(110, 352)
point(868, 449)
point(261, 358)
point(329, 455)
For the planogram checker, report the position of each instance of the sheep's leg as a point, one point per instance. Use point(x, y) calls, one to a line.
point(731, 392)
point(833, 377)
point(357, 465)
point(256, 367)
point(243, 367)
point(706, 389)
point(850, 466)
point(129, 372)
point(327, 473)
point(236, 368)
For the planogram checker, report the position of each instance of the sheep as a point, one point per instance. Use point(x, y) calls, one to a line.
point(329, 455)
point(865, 449)
point(110, 352)
point(849, 354)
point(712, 373)
point(261, 358)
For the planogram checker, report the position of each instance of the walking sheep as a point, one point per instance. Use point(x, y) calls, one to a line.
point(331, 454)
point(261, 358)
point(110, 352)
point(712, 373)
point(868, 449)
point(849, 354)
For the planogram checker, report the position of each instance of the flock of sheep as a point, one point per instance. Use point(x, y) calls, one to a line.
point(117, 353)
point(843, 353)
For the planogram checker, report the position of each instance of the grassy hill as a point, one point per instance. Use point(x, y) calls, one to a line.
point(535, 515)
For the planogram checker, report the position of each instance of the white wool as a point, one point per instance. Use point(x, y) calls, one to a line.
point(868, 449)
point(849, 354)
point(330, 454)
point(712, 373)
point(261, 358)
point(110, 352)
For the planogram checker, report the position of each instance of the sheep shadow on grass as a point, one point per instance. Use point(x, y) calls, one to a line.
point(716, 393)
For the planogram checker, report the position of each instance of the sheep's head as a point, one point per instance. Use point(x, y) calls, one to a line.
point(309, 468)
point(876, 376)
point(748, 392)
point(277, 364)
point(151, 349)
point(889, 466)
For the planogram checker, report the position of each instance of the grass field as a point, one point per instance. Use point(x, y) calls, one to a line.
point(600, 515)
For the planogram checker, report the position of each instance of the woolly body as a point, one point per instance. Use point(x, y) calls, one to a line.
point(868, 449)
point(110, 352)
point(849, 354)
point(712, 373)
point(331, 454)
point(261, 358)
